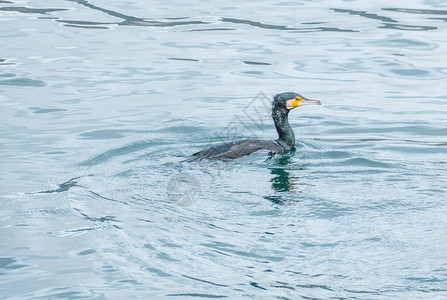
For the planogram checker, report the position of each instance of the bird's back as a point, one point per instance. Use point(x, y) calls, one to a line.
point(238, 149)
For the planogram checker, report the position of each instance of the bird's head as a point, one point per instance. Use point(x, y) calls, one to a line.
point(290, 100)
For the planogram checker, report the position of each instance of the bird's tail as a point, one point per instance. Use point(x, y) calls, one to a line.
point(191, 159)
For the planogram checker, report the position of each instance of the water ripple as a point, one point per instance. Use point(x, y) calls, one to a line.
point(417, 11)
point(100, 101)
point(364, 14)
point(281, 27)
point(27, 10)
point(23, 82)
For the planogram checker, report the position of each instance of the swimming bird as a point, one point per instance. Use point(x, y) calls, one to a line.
point(282, 104)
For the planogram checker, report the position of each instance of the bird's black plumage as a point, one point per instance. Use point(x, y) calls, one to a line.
point(239, 148)
point(281, 106)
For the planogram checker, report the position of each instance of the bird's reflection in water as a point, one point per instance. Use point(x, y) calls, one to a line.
point(282, 182)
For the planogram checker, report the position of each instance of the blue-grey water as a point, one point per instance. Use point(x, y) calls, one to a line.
point(100, 100)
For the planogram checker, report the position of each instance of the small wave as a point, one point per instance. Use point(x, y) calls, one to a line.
point(332, 154)
point(417, 11)
point(23, 82)
point(113, 153)
point(362, 162)
point(196, 295)
point(27, 10)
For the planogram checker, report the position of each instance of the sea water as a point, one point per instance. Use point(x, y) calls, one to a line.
point(101, 100)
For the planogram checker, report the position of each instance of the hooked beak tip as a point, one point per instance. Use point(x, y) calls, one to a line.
point(311, 102)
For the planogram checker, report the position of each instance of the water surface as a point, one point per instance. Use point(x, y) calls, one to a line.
point(99, 101)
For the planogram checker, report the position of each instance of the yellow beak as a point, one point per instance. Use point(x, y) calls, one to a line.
point(302, 101)
point(310, 102)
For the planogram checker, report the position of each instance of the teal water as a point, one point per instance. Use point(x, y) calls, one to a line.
point(100, 100)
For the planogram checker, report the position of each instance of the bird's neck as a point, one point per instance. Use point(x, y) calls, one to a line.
point(286, 136)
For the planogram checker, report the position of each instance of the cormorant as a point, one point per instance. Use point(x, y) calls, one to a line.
point(282, 104)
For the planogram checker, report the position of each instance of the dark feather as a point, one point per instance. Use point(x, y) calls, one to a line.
point(238, 148)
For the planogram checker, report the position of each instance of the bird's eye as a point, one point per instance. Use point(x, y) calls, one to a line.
point(299, 99)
